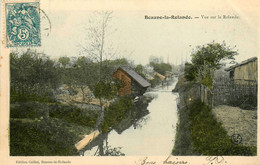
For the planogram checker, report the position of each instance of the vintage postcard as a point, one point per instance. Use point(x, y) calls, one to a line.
point(129, 82)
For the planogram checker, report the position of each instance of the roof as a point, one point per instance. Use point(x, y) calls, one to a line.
point(135, 76)
point(242, 63)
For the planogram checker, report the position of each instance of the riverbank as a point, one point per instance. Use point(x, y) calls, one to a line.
point(48, 129)
point(152, 118)
point(118, 118)
point(198, 131)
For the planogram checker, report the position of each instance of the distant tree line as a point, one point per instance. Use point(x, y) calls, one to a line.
point(35, 77)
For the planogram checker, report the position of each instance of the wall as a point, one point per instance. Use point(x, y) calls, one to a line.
point(247, 72)
point(227, 92)
point(126, 88)
point(137, 90)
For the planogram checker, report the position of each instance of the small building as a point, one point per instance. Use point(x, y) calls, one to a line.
point(244, 72)
point(132, 82)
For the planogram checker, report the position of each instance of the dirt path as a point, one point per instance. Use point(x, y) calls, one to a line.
point(238, 121)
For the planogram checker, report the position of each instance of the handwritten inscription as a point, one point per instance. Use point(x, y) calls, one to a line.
point(215, 160)
point(169, 160)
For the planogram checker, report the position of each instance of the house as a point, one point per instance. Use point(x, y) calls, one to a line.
point(132, 83)
point(244, 72)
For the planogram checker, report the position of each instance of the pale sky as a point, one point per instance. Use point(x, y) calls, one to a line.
point(143, 37)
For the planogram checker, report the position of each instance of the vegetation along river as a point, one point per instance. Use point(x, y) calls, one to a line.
point(154, 133)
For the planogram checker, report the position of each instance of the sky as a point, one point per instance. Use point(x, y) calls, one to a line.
point(137, 38)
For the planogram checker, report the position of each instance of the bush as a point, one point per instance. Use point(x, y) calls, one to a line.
point(116, 112)
point(73, 114)
point(41, 138)
point(156, 81)
point(28, 110)
point(190, 72)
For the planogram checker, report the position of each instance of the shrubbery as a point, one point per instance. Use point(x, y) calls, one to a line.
point(41, 138)
point(116, 112)
point(30, 110)
point(156, 81)
point(47, 129)
point(33, 77)
point(72, 114)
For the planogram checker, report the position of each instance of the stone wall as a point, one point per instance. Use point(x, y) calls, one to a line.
point(228, 92)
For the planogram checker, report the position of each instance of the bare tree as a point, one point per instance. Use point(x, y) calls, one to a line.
point(97, 47)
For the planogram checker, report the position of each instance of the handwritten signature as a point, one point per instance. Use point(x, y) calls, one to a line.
point(215, 160)
point(169, 160)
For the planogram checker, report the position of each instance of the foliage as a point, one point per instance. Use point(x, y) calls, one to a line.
point(190, 71)
point(212, 54)
point(156, 81)
point(207, 81)
point(42, 138)
point(161, 67)
point(106, 90)
point(29, 110)
point(183, 140)
point(33, 77)
point(116, 112)
point(140, 70)
point(64, 61)
point(205, 60)
point(109, 151)
point(72, 114)
point(208, 135)
point(97, 47)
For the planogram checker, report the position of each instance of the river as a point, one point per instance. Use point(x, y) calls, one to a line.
point(152, 134)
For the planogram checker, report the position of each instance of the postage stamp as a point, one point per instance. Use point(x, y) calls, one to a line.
point(22, 24)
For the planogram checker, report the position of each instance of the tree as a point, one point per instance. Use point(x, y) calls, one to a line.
point(161, 67)
point(97, 47)
point(33, 77)
point(140, 70)
point(205, 60)
point(190, 71)
point(82, 75)
point(64, 61)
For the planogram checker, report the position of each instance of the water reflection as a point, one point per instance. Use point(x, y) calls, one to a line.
point(104, 149)
point(147, 130)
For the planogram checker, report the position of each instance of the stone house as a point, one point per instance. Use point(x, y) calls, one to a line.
point(132, 83)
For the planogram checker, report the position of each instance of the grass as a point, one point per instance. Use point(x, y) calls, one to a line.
point(199, 133)
point(208, 135)
point(183, 140)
